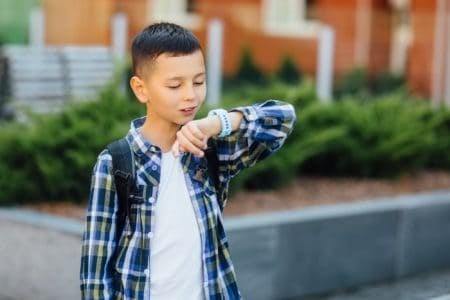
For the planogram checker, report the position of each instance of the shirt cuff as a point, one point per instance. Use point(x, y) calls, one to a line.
point(250, 115)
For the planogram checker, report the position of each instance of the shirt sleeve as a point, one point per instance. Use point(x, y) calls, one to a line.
point(263, 130)
point(98, 244)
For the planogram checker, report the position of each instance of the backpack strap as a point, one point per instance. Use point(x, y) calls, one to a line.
point(213, 164)
point(123, 172)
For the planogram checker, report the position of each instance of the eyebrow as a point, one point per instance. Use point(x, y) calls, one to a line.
point(181, 77)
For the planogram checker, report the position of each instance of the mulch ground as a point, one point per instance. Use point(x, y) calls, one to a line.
point(302, 192)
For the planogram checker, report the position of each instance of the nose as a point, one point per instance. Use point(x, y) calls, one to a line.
point(189, 92)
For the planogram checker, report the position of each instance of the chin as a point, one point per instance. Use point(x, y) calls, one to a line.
point(184, 121)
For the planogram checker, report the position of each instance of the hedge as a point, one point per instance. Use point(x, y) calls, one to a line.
point(51, 157)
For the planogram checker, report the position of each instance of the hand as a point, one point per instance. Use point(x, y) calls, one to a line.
point(194, 135)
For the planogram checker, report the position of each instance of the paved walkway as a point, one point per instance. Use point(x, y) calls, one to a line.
point(434, 286)
point(40, 262)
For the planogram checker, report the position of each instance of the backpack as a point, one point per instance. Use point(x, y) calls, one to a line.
point(124, 176)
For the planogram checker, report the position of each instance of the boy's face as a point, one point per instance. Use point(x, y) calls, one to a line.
point(173, 87)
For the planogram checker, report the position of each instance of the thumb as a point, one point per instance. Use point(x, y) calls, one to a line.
point(176, 149)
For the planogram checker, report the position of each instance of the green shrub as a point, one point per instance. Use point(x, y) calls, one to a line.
point(386, 137)
point(353, 83)
point(358, 85)
point(440, 154)
point(51, 157)
point(386, 82)
point(288, 71)
point(299, 95)
point(248, 72)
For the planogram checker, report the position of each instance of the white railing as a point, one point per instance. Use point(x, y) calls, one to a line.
point(46, 78)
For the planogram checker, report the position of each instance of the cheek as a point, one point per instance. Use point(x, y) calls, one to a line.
point(165, 97)
point(201, 93)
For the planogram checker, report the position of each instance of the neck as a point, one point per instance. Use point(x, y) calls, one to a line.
point(161, 134)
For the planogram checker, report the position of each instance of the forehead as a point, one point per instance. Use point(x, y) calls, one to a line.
point(168, 65)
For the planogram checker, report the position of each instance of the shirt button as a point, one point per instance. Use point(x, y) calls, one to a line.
point(146, 272)
point(154, 168)
point(151, 200)
point(150, 235)
point(152, 148)
point(205, 284)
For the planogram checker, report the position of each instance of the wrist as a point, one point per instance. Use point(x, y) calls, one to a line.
point(224, 126)
point(213, 126)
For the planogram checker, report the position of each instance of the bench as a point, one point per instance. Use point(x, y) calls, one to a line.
point(46, 79)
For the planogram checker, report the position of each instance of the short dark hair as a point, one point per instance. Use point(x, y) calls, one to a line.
point(160, 38)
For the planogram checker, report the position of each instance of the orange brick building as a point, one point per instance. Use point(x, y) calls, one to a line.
point(397, 35)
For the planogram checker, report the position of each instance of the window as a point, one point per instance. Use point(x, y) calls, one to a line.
point(182, 12)
point(310, 13)
point(191, 6)
point(289, 17)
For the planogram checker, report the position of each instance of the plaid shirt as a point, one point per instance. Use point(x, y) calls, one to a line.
point(263, 130)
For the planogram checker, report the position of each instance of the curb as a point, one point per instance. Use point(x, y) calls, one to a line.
point(409, 234)
point(344, 209)
point(443, 297)
point(75, 227)
point(43, 220)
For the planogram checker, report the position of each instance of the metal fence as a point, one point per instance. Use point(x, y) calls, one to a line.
point(46, 79)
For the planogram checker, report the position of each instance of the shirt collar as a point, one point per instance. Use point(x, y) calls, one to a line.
point(137, 141)
point(141, 146)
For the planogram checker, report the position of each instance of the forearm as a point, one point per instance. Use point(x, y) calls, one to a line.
point(262, 130)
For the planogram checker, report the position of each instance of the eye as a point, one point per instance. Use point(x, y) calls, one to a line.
point(199, 83)
point(174, 87)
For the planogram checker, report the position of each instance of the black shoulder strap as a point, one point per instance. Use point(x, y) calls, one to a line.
point(123, 171)
point(213, 164)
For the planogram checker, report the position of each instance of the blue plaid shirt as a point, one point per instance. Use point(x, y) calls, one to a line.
point(262, 131)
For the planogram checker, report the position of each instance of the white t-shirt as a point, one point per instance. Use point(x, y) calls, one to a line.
point(176, 252)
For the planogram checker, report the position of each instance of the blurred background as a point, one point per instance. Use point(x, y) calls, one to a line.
point(369, 79)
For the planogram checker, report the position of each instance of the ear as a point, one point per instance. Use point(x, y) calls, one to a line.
point(139, 89)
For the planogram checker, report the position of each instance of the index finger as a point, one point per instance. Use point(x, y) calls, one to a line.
point(196, 132)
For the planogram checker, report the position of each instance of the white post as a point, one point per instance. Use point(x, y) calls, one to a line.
point(36, 28)
point(119, 39)
point(363, 25)
point(438, 53)
point(119, 36)
point(324, 78)
point(447, 77)
point(214, 62)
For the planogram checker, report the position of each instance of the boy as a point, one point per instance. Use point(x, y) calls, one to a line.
point(173, 245)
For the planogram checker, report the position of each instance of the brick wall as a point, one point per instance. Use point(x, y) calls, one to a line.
point(137, 13)
point(243, 21)
point(79, 22)
point(420, 63)
point(343, 17)
point(360, 39)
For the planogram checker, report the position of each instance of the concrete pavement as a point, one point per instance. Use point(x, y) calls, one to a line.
point(432, 286)
point(38, 263)
point(40, 257)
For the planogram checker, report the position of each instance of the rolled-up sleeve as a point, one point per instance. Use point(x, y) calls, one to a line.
point(263, 130)
point(96, 280)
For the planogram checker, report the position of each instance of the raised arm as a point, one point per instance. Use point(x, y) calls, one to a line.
point(261, 130)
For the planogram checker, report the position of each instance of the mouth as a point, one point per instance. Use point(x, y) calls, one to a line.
point(189, 109)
